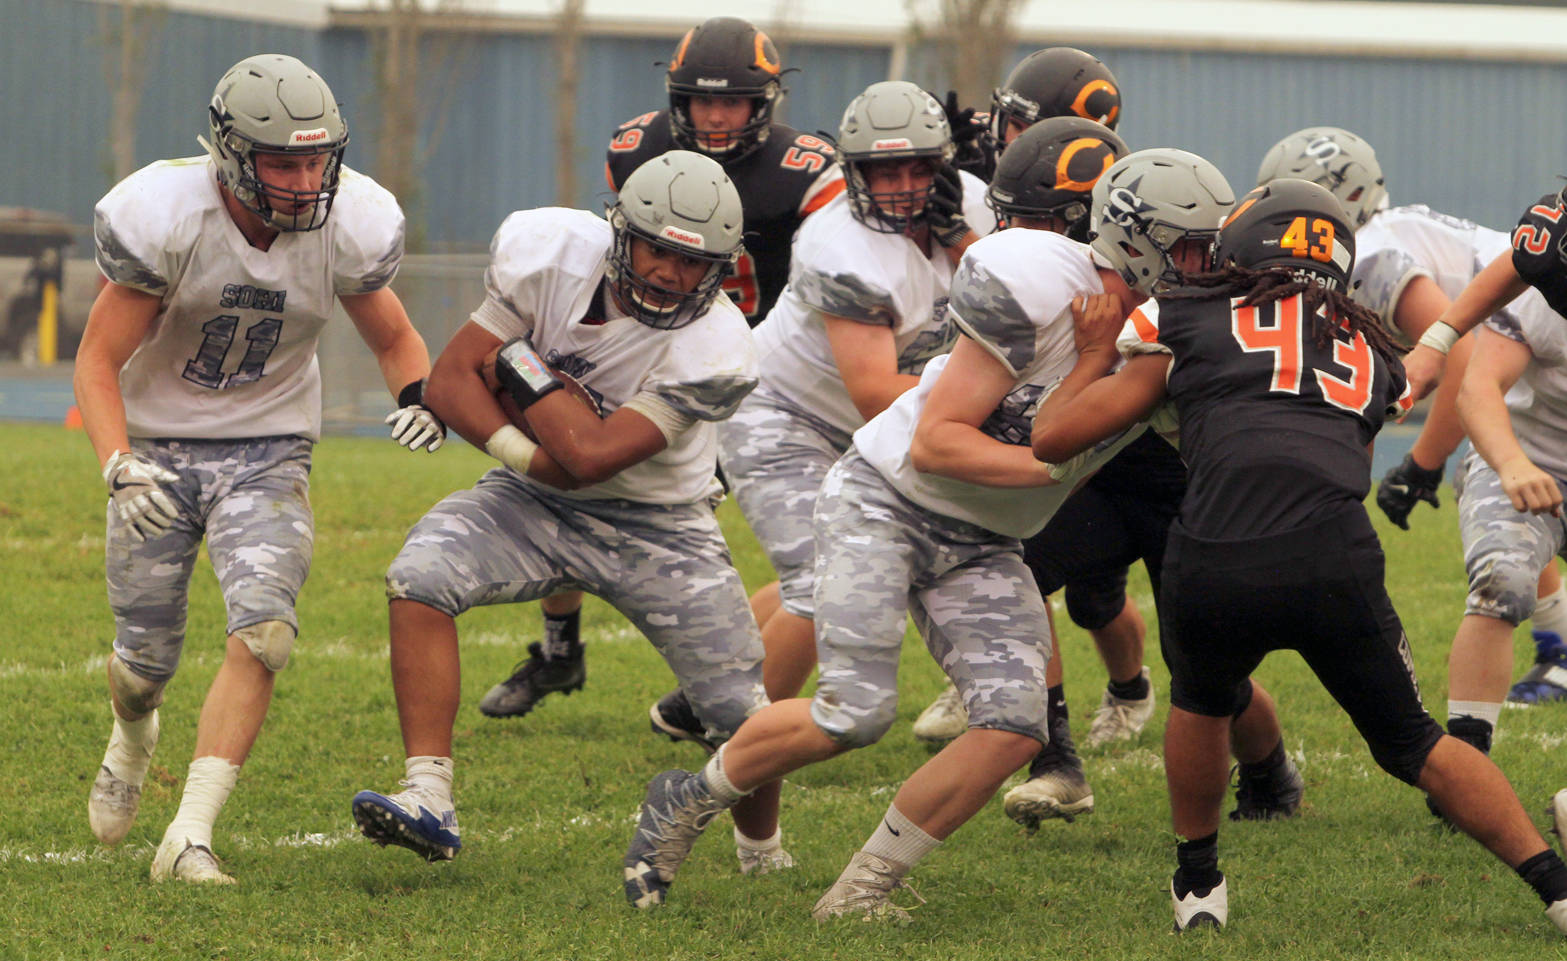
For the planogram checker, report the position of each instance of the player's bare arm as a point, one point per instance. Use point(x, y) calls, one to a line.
point(119, 321)
point(384, 326)
point(1495, 366)
point(1492, 289)
point(867, 359)
point(948, 441)
point(1067, 426)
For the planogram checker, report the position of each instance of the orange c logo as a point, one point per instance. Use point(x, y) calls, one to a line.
point(680, 51)
point(1064, 179)
point(1080, 105)
point(761, 54)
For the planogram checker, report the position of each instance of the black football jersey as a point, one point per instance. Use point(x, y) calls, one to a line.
point(778, 186)
point(1538, 250)
point(1274, 428)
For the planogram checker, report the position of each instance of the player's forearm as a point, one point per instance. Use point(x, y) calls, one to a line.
point(1483, 412)
point(1492, 289)
point(403, 360)
point(961, 452)
point(97, 390)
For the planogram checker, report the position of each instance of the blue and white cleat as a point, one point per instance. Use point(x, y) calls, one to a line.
point(414, 819)
point(677, 809)
point(1546, 681)
point(1208, 910)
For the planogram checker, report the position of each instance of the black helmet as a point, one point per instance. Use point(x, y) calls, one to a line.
point(1050, 169)
point(724, 57)
point(1055, 82)
point(1293, 224)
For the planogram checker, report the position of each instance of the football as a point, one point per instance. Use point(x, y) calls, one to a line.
point(519, 418)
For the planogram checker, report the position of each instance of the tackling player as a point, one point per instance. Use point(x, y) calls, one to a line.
point(199, 389)
point(1280, 382)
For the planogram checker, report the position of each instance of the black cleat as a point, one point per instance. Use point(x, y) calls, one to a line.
point(673, 717)
point(1264, 792)
point(532, 680)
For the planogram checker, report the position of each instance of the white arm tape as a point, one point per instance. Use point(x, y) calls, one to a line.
point(1440, 337)
point(511, 447)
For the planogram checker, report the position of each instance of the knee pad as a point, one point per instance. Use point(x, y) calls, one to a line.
point(1243, 695)
point(136, 694)
point(270, 642)
point(862, 730)
point(1405, 757)
point(1093, 602)
point(1503, 586)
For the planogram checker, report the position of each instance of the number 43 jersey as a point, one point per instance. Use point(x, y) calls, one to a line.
point(1275, 427)
point(232, 351)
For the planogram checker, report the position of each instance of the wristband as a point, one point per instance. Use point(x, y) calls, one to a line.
point(412, 394)
point(523, 373)
point(1440, 337)
point(511, 447)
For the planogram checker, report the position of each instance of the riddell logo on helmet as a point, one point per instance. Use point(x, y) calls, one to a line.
point(303, 138)
point(712, 81)
point(897, 143)
point(686, 237)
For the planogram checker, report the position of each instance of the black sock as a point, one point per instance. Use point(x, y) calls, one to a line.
point(1197, 866)
point(1275, 759)
point(560, 636)
point(1055, 703)
point(1473, 730)
point(1546, 873)
point(1134, 690)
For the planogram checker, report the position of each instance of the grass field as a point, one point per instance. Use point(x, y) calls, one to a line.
point(547, 803)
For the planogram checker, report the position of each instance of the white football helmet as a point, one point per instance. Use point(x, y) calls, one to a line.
point(891, 120)
point(1333, 158)
point(1147, 203)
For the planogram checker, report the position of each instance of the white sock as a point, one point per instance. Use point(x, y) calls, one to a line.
point(432, 773)
point(1481, 710)
point(1550, 612)
point(206, 788)
point(899, 839)
point(130, 747)
point(763, 846)
point(718, 781)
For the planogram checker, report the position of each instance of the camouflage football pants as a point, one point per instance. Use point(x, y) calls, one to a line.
point(664, 566)
point(774, 457)
point(1504, 550)
point(250, 498)
point(879, 557)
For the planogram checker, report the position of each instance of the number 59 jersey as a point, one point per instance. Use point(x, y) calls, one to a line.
point(232, 351)
point(1274, 425)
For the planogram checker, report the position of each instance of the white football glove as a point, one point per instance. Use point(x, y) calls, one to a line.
point(138, 499)
point(413, 424)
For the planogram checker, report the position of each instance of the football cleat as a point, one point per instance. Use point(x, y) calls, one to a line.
point(674, 718)
point(180, 860)
point(1210, 909)
point(1557, 913)
point(676, 810)
point(865, 888)
point(759, 863)
point(532, 680)
point(1056, 787)
point(1547, 679)
point(1119, 719)
point(1557, 812)
point(414, 819)
point(113, 802)
point(943, 720)
point(1264, 792)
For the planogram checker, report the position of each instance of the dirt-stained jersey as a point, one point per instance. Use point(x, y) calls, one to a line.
point(843, 267)
point(1402, 243)
point(545, 282)
point(1274, 427)
point(790, 175)
point(232, 351)
point(1012, 295)
point(1540, 250)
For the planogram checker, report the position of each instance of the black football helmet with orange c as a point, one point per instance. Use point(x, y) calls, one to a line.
point(1049, 170)
point(1055, 82)
point(724, 57)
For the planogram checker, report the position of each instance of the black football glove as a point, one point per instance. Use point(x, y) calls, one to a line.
point(965, 128)
point(944, 209)
point(1404, 486)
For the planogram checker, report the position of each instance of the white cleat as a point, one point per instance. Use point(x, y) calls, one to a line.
point(757, 863)
point(1210, 910)
point(1119, 719)
point(1558, 815)
point(1557, 913)
point(865, 888)
point(179, 860)
point(943, 720)
point(113, 802)
point(1061, 793)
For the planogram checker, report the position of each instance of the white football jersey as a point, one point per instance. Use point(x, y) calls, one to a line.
point(1402, 243)
point(232, 351)
point(1013, 296)
point(840, 266)
point(1537, 401)
point(545, 278)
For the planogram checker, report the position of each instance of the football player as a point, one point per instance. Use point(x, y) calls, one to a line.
point(198, 387)
point(724, 83)
point(1280, 382)
point(622, 506)
point(1411, 262)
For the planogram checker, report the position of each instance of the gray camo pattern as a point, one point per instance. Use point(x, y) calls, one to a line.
point(1504, 550)
point(251, 501)
point(120, 264)
point(845, 295)
point(774, 457)
point(879, 557)
point(665, 567)
point(989, 310)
